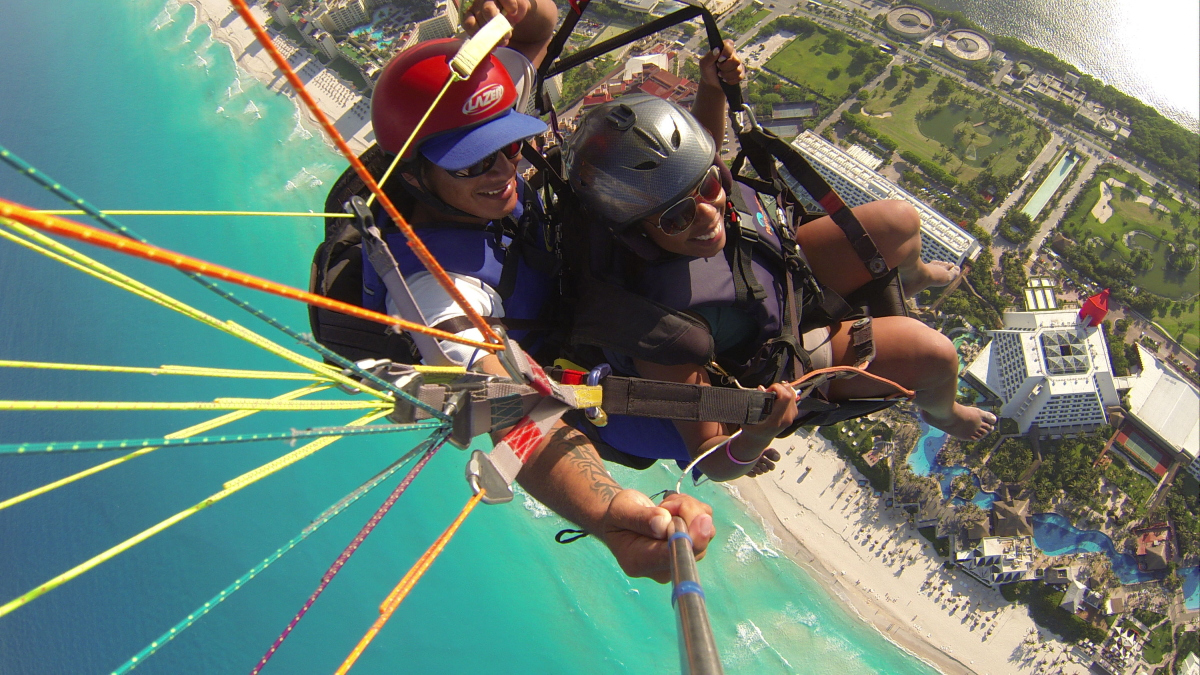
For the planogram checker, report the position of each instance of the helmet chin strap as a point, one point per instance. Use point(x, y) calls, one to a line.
point(423, 193)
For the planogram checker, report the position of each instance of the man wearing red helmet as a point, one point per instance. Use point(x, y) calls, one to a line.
point(486, 227)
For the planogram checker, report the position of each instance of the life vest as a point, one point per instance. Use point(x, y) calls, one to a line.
point(758, 274)
point(513, 256)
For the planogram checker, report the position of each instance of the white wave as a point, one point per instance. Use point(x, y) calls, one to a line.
point(234, 88)
point(745, 549)
point(751, 641)
point(796, 615)
point(304, 180)
point(167, 16)
point(534, 507)
point(298, 130)
point(252, 109)
point(220, 109)
point(200, 60)
point(187, 35)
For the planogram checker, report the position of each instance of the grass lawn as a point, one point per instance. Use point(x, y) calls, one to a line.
point(965, 134)
point(1160, 643)
point(744, 20)
point(1129, 215)
point(808, 61)
point(610, 31)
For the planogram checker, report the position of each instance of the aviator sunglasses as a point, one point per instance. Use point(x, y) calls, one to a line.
point(510, 151)
point(679, 217)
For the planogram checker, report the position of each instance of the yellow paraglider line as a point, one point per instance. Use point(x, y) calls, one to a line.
point(182, 433)
point(197, 371)
point(230, 487)
point(40, 243)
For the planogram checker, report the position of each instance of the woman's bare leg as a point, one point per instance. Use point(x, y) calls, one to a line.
point(895, 227)
point(916, 356)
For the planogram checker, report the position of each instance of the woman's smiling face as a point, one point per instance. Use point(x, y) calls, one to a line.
point(704, 239)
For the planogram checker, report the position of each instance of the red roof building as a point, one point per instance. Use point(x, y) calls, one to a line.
point(1095, 309)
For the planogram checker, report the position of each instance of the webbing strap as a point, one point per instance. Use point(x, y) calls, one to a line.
point(385, 265)
point(763, 148)
point(493, 474)
point(553, 65)
point(686, 402)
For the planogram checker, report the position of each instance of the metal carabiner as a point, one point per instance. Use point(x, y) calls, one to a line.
point(597, 415)
point(745, 119)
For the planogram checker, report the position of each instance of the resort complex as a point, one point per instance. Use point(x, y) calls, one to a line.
point(858, 183)
point(1047, 370)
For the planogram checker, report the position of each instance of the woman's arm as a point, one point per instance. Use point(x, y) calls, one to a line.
point(751, 446)
point(709, 107)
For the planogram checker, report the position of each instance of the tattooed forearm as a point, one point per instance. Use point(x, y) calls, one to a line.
point(570, 446)
point(567, 475)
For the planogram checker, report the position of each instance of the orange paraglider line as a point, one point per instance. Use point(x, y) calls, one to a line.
point(91, 235)
point(414, 242)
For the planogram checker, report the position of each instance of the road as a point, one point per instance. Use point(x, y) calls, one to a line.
point(1051, 221)
point(991, 220)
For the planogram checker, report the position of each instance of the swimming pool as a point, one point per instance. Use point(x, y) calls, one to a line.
point(982, 498)
point(1049, 186)
point(923, 462)
point(1055, 535)
point(1191, 588)
point(923, 457)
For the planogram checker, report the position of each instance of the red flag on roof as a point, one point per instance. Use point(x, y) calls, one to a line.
point(1095, 309)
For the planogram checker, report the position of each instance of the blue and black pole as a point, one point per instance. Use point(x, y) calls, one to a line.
point(697, 648)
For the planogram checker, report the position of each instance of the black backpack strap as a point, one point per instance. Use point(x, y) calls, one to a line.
point(764, 148)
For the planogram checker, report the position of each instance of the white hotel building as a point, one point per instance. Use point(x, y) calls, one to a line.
point(858, 183)
point(1047, 369)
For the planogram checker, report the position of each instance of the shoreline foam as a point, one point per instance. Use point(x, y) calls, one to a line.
point(347, 109)
point(891, 601)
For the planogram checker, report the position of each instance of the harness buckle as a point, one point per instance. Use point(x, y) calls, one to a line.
point(862, 338)
point(376, 367)
point(482, 475)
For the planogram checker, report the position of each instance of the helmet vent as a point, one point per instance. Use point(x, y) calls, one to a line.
point(651, 141)
point(646, 165)
point(676, 137)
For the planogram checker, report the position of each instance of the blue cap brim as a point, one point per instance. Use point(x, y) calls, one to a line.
point(461, 149)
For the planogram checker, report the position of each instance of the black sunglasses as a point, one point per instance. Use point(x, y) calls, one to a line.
point(680, 216)
point(511, 151)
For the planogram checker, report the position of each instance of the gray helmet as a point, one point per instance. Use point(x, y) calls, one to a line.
point(636, 155)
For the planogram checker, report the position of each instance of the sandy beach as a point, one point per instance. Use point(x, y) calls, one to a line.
point(887, 573)
point(349, 110)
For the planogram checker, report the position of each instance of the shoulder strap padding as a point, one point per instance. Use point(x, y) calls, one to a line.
point(647, 330)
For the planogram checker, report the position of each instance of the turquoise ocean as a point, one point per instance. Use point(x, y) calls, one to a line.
point(134, 107)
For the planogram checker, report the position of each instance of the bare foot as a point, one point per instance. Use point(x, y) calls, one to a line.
point(969, 424)
point(941, 273)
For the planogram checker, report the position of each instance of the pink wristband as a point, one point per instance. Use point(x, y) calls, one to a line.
point(735, 460)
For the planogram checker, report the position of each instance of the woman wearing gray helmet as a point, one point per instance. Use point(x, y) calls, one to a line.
point(667, 223)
